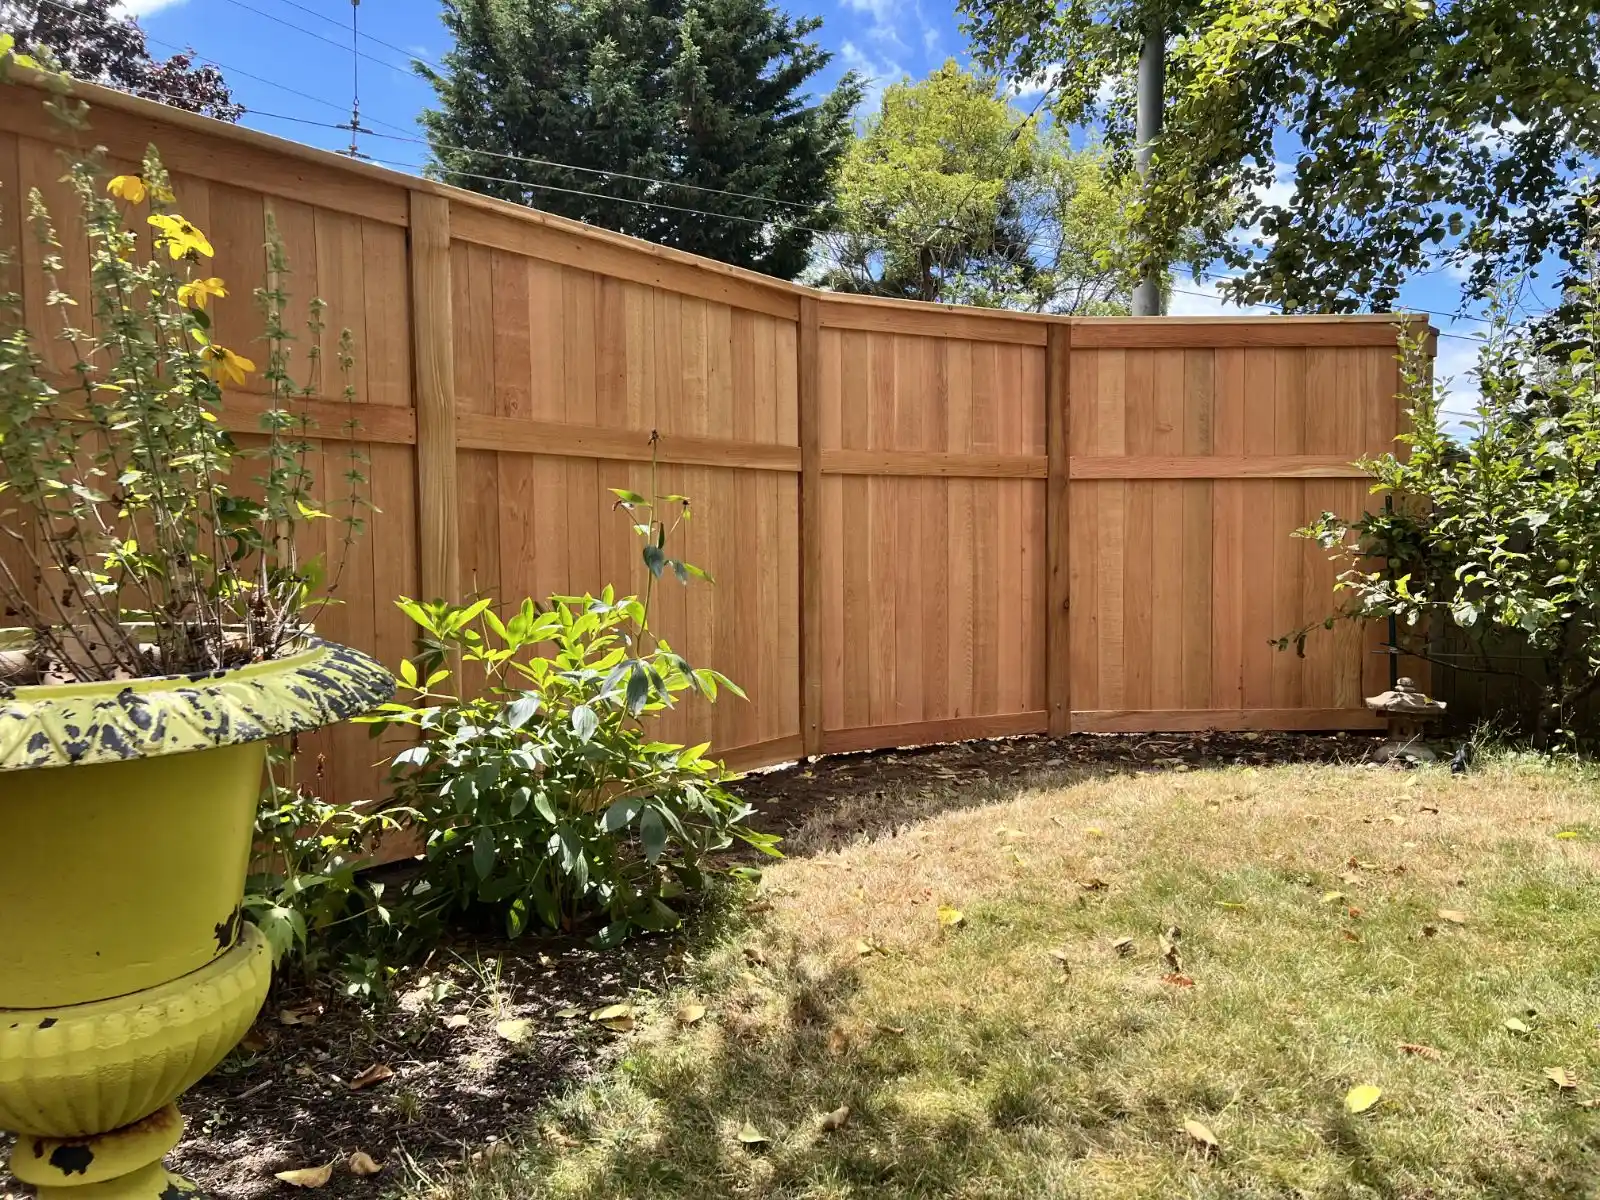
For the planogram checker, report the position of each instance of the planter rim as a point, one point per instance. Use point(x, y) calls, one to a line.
point(75, 724)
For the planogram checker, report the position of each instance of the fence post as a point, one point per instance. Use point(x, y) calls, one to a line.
point(1058, 583)
point(809, 379)
point(438, 523)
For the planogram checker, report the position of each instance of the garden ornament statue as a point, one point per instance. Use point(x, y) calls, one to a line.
point(1408, 712)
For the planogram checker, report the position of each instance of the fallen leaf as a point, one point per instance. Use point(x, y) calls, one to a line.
point(566, 1014)
point(376, 1073)
point(616, 1017)
point(751, 1136)
point(1349, 877)
point(1169, 947)
point(1561, 1077)
point(253, 1042)
point(1419, 1050)
point(1092, 884)
point(1354, 912)
point(1061, 956)
point(1454, 915)
point(1517, 1026)
point(836, 1119)
point(951, 918)
point(756, 955)
point(307, 1177)
point(514, 1029)
point(1177, 980)
point(1095, 831)
point(362, 1164)
point(897, 1030)
point(457, 1021)
point(1362, 1097)
point(864, 948)
point(1123, 946)
point(838, 1041)
point(1429, 808)
point(688, 1014)
point(1395, 820)
point(1567, 835)
point(309, 1015)
point(1332, 897)
point(1351, 935)
point(1201, 1133)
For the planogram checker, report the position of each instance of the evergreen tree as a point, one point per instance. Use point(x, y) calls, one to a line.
point(94, 42)
point(702, 94)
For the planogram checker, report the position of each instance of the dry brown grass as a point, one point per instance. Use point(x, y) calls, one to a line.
point(977, 1064)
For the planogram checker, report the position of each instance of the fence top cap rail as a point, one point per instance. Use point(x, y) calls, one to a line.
point(109, 98)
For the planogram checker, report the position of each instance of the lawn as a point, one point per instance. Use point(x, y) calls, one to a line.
point(958, 977)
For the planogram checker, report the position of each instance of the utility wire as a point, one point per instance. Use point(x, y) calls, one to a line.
point(377, 41)
point(561, 166)
point(382, 62)
point(549, 187)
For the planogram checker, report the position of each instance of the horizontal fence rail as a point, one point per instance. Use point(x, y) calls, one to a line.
point(925, 523)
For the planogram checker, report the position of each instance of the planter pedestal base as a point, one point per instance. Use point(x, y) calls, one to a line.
point(124, 1164)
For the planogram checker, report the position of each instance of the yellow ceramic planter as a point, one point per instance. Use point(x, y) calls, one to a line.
point(126, 971)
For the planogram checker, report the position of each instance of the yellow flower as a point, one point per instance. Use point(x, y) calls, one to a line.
point(127, 187)
point(223, 364)
point(180, 236)
point(196, 292)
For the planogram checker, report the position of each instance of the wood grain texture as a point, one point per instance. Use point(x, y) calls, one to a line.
point(930, 320)
point(637, 262)
point(1104, 333)
point(1217, 466)
point(439, 523)
point(934, 463)
point(510, 435)
point(1058, 533)
point(812, 534)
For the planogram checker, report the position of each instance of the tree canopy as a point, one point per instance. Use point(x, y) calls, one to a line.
point(693, 99)
point(1427, 133)
point(950, 194)
point(92, 40)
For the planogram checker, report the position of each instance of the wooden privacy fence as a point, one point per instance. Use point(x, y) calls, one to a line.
point(926, 523)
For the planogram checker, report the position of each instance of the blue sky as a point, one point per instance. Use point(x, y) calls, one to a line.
point(289, 63)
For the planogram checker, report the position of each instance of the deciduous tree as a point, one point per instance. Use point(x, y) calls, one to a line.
point(93, 41)
point(950, 194)
point(1421, 132)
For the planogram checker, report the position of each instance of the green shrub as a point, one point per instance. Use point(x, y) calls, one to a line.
point(545, 799)
point(1499, 534)
point(304, 890)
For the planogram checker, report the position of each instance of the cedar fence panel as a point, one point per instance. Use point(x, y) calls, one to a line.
point(925, 523)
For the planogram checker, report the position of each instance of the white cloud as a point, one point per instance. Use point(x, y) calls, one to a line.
point(1033, 85)
point(144, 8)
point(885, 16)
point(1280, 191)
point(930, 39)
point(877, 74)
point(1203, 298)
point(1453, 366)
point(1497, 137)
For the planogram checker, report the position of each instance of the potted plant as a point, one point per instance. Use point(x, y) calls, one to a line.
point(163, 633)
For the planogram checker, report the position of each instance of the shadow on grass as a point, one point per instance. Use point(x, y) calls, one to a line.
point(831, 802)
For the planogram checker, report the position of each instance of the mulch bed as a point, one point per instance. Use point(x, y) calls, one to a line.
point(463, 1079)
